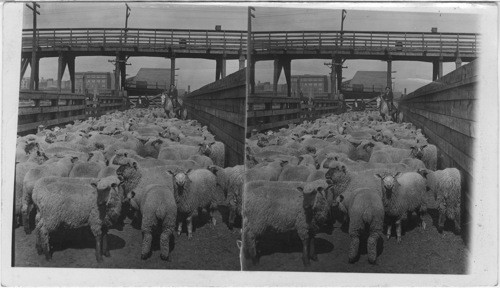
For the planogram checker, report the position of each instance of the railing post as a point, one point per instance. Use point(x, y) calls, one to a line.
point(137, 37)
point(423, 47)
point(104, 37)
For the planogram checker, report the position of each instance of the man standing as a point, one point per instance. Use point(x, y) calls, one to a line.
point(388, 96)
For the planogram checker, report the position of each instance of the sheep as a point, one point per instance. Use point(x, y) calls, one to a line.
point(158, 208)
point(75, 203)
point(414, 164)
point(194, 189)
point(445, 185)
point(282, 210)
point(21, 170)
point(401, 195)
point(365, 209)
point(216, 151)
point(202, 160)
point(231, 180)
point(296, 173)
point(60, 168)
point(89, 169)
point(395, 155)
point(270, 172)
point(427, 153)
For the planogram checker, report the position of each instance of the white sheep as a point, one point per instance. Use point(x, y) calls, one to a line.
point(66, 203)
point(445, 185)
point(60, 168)
point(285, 210)
point(365, 209)
point(194, 189)
point(427, 153)
point(401, 195)
point(216, 151)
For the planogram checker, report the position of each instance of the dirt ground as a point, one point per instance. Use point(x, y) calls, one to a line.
point(421, 251)
point(210, 249)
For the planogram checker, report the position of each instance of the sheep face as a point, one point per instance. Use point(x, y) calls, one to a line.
point(50, 138)
point(40, 157)
point(388, 184)
point(127, 170)
point(206, 148)
point(180, 180)
point(315, 203)
point(417, 152)
point(120, 158)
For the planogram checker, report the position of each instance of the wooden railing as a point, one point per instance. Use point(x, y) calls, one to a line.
point(221, 107)
point(466, 43)
point(265, 112)
point(50, 108)
point(225, 40)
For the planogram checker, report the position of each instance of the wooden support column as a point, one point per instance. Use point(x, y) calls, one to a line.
point(172, 70)
point(117, 73)
point(278, 65)
point(223, 71)
point(123, 72)
point(287, 67)
point(458, 63)
point(440, 71)
point(24, 65)
point(435, 70)
point(70, 60)
point(35, 74)
point(61, 66)
point(218, 68)
point(252, 76)
point(338, 72)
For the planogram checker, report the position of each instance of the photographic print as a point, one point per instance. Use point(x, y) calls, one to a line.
point(123, 141)
point(360, 137)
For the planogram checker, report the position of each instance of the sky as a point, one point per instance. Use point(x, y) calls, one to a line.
point(195, 72)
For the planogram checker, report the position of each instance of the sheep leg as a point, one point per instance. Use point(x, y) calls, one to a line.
point(98, 248)
point(25, 210)
point(389, 228)
point(372, 246)
point(44, 235)
point(441, 220)
point(250, 249)
point(398, 230)
point(306, 241)
point(458, 226)
point(147, 239)
point(354, 245)
point(38, 243)
point(232, 216)
point(105, 247)
point(312, 250)
point(190, 226)
point(179, 228)
point(214, 221)
point(166, 233)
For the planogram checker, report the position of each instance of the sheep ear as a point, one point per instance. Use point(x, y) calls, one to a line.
point(134, 165)
point(171, 173)
point(329, 181)
point(94, 184)
point(239, 244)
point(38, 153)
point(424, 146)
point(318, 166)
point(379, 176)
point(189, 170)
point(343, 169)
point(336, 158)
point(301, 189)
point(412, 147)
point(114, 185)
point(397, 174)
point(283, 163)
point(74, 159)
point(341, 198)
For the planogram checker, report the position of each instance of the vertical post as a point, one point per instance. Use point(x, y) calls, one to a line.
point(287, 67)
point(218, 68)
point(172, 70)
point(278, 65)
point(223, 67)
point(241, 62)
point(458, 62)
point(123, 71)
point(250, 72)
point(435, 70)
point(440, 65)
point(34, 58)
point(60, 70)
point(117, 73)
point(70, 60)
point(389, 73)
point(338, 72)
point(36, 72)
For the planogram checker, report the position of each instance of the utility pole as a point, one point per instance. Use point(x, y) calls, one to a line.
point(250, 67)
point(127, 14)
point(334, 66)
point(34, 62)
point(344, 14)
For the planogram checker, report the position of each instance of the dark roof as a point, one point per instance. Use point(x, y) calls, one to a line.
point(153, 75)
point(377, 79)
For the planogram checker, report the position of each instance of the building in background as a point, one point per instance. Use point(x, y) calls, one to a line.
point(366, 85)
point(149, 81)
point(92, 81)
point(310, 85)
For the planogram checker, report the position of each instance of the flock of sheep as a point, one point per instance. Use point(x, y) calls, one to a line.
point(137, 163)
point(351, 167)
point(354, 168)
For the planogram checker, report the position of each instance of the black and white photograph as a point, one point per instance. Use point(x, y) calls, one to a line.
point(118, 102)
point(360, 138)
point(181, 143)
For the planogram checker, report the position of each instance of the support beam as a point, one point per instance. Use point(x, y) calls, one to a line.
point(36, 73)
point(338, 72)
point(61, 66)
point(458, 62)
point(287, 67)
point(437, 70)
point(117, 73)
point(123, 72)
point(252, 76)
point(172, 70)
point(70, 60)
point(389, 74)
point(223, 71)
point(218, 68)
point(278, 65)
point(24, 65)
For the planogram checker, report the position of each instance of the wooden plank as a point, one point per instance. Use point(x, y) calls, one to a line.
point(34, 126)
point(463, 126)
point(463, 109)
point(262, 113)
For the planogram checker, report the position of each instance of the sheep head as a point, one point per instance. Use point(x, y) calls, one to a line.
point(315, 202)
point(128, 169)
point(40, 157)
point(417, 152)
point(206, 148)
point(389, 182)
point(336, 171)
point(180, 179)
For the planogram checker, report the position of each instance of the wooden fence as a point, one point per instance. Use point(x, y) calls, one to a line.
point(221, 107)
point(50, 108)
point(444, 110)
point(265, 112)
